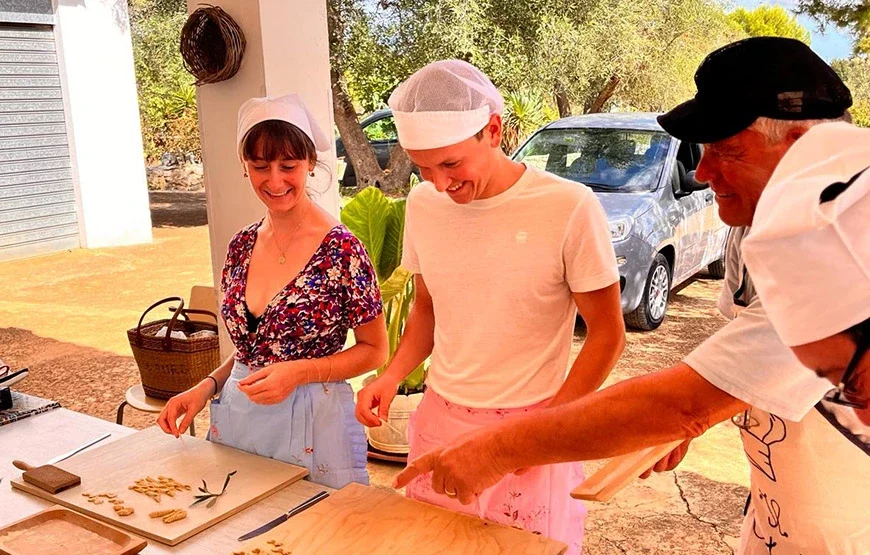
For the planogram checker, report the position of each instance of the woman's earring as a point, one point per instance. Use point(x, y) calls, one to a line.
point(311, 174)
point(246, 174)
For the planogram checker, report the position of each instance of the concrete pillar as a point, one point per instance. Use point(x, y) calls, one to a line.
point(287, 51)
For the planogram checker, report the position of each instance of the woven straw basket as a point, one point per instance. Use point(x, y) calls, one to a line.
point(170, 365)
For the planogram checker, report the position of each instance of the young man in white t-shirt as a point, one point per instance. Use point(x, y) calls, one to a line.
point(756, 100)
point(503, 255)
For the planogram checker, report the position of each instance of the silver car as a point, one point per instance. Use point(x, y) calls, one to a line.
point(664, 224)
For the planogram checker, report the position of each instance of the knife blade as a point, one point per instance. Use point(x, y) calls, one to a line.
point(313, 500)
point(69, 454)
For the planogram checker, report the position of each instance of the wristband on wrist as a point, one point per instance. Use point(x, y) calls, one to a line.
point(212, 378)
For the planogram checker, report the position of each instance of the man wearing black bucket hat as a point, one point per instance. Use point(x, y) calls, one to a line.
point(755, 99)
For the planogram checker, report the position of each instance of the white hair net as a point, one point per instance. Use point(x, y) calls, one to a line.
point(442, 104)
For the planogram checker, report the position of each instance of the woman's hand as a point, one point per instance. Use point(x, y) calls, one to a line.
point(276, 382)
point(188, 404)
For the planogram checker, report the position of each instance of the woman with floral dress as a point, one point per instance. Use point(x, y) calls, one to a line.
point(294, 283)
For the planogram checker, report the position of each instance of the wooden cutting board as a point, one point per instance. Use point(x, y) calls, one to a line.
point(113, 467)
point(59, 530)
point(620, 471)
point(377, 521)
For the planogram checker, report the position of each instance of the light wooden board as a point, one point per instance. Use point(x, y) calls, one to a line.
point(113, 467)
point(60, 530)
point(376, 521)
point(621, 471)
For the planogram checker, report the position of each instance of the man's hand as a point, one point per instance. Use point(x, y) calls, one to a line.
point(378, 394)
point(669, 462)
point(462, 470)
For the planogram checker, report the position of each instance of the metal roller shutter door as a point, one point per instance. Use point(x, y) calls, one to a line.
point(37, 197)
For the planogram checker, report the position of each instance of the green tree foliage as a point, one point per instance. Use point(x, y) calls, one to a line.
point(574, 55)
point(523, 114)
point(853, 15)
point(770, 21)
point(855, 72)
point(579, 55)
point(167, 97)
point(647, 51)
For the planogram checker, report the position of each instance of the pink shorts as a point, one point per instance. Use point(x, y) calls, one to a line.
point(538, 501)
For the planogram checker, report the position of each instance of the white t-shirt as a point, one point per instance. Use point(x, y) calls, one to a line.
point(501, 272)
point(804, 472)
point(746, 358)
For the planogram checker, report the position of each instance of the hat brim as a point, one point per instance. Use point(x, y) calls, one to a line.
point(692, 121)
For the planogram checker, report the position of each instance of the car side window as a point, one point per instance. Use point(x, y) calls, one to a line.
point(383, 129)
point(688, 156)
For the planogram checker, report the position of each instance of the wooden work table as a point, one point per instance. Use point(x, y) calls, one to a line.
point(344, 522)
point(43, 436)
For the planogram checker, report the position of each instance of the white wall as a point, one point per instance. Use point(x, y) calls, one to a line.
point(96, 60)
point(287, 51)
point(298, 61)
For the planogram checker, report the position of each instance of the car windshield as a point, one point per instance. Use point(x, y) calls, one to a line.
point(612, 160)
point(383, 129)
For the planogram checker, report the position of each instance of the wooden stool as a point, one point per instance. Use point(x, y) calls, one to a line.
point(136, 398)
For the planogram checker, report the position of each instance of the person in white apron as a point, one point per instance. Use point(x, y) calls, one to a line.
point(756, 99)
point(818, 208)
point(293, 284)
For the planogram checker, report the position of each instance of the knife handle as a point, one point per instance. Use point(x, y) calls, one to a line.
point(21, 465)
point(308, 504)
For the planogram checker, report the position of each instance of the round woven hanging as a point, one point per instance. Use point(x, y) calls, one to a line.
point(212, 45)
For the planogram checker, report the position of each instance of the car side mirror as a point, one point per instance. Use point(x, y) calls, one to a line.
point(690, 184)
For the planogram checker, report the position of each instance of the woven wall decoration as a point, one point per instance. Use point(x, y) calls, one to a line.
point(212, 45)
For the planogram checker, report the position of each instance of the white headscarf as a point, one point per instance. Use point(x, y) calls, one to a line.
point(810, 260)
point(290, 108)
point(442, 104)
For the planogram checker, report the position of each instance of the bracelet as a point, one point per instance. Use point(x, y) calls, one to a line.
point(212, 378)
point(329, 372)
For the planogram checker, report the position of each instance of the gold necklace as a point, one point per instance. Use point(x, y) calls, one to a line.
point(282, 259)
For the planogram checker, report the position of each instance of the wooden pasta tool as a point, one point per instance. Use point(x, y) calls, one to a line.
point(621, 471)
point(47, 477)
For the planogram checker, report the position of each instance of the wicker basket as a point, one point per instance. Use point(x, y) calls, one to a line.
point(171, 365)
point(212, 45)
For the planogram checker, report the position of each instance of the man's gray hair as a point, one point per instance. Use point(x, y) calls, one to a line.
point(776, 130)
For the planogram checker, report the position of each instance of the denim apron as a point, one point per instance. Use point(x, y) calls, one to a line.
point(314, 427)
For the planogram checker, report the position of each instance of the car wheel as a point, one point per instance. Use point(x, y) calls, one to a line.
point(654, 304)
point(717, 269)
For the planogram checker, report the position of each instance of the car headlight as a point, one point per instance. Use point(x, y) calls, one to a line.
point(620, 229)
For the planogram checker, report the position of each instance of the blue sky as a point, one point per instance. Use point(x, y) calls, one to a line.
point(830, 44)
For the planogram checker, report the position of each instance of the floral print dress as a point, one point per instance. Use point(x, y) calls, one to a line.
point(314, 426)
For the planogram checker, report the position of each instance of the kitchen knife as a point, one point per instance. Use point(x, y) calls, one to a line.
point(283, 518)
point(13, 378)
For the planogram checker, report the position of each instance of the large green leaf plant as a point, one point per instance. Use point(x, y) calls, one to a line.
point(379, 222)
